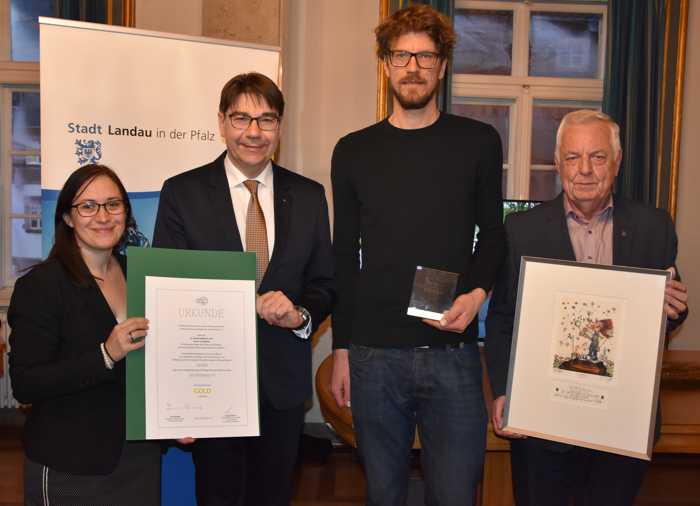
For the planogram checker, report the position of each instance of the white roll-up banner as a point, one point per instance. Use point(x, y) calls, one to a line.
point(144, 103)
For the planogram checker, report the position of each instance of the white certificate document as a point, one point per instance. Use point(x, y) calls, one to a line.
point(201, 358)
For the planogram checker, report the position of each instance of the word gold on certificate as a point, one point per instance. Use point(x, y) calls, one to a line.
point(201, 376)
point(433, 293)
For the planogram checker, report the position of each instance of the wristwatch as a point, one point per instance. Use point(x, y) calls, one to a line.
point(305, 317)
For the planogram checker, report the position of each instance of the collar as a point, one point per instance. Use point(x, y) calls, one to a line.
point(236, 177)
point(570, 210)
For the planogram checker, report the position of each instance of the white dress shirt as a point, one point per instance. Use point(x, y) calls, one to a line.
point(240, 196)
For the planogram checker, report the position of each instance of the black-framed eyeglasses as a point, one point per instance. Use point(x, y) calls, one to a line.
point(266, 122)
point(89, 208)
point(424, 59)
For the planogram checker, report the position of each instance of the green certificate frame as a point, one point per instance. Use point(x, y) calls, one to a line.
point(172, 263)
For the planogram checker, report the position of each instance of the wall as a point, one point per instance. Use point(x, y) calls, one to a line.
point(688, 213)
point(329, 79)
point(256, 21)
point(224, 19)
point(174, 16)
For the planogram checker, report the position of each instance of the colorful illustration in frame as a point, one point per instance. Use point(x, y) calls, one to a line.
point(587, 333)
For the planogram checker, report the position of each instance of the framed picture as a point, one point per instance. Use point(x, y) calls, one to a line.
point(586, 355)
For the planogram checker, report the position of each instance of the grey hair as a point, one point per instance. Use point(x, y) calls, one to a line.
point(585, 116)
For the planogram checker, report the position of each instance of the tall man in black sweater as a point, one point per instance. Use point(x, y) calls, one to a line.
point(409, 191)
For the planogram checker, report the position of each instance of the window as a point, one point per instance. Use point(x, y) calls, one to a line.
point(23, 179)
point(20, 165)
point(521, 66)
point(24, 29)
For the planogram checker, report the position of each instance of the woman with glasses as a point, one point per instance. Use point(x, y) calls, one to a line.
point(70, 335)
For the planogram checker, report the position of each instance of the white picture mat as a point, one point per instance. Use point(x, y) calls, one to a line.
point(232, 348)
point(624, 423)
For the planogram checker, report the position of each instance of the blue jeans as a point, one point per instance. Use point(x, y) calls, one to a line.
point(439, 390)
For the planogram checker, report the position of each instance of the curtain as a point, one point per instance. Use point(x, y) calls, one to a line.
point(642, 91)
point(94, 11)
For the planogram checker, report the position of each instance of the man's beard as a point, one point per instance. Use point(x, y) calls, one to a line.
point(414, 101)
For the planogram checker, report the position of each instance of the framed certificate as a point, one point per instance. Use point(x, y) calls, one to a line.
point(586, 355)
point(197, 374)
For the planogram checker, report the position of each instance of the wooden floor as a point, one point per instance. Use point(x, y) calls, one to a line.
point(674, 480)
point(11, 459)
point(329, 476)
point(334, 477)
point(339, 481)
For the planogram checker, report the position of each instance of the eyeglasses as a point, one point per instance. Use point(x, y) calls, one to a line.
point(424, 59)
point(91, 208)
point(266, 123)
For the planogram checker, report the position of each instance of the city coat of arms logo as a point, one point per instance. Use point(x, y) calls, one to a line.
point(88, 151)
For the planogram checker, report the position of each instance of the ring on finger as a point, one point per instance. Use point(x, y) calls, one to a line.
point(132, 340)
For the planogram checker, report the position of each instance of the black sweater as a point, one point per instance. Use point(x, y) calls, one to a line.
point(412, 197)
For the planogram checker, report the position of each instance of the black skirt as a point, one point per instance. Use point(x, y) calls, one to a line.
point(134, 482)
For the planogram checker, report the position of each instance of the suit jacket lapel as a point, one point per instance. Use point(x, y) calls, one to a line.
point(95, 301)
point(622, 234)
point(283, 207)
point(96, 304)
point(223, 217)
point(558, 230)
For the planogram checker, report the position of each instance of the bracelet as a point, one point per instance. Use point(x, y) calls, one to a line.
point(104, 347)
point(109, 361)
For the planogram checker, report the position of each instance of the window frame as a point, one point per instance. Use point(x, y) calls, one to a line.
point(14, 76)
point(524, 90)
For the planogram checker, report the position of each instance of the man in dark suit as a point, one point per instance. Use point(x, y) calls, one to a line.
point(586, 223)
point(243, 202)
